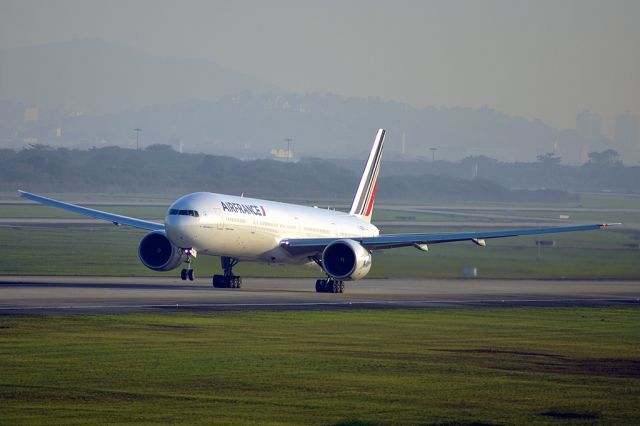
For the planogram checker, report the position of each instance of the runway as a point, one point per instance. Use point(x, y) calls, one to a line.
point(46, 294)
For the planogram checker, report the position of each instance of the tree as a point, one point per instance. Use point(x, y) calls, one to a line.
point(607, 158)
point(160, 148)
point(549, 159)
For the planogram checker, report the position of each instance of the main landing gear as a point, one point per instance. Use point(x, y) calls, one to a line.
point(329, 286)
point(228, 280)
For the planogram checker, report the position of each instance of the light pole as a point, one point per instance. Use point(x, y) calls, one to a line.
point(433, 154)
point(137, 130)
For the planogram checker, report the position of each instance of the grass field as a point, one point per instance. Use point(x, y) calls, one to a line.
point(456, 366)
point(113, 251)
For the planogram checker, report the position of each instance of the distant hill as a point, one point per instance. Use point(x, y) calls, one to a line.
point(249, 125)
point(98, 77)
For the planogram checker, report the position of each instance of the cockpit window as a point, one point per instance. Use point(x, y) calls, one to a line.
point(176, 212)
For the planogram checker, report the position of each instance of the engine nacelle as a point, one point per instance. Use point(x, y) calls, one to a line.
point(346, 260)
point(156, 252)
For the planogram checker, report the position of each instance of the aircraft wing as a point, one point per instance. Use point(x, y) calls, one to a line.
point(116, 219)
point(297, 246)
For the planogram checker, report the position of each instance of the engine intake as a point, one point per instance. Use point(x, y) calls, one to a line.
point(157, 253)
point(346, 260)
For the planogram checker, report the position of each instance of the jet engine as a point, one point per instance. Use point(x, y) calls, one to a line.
point(156, 252)
point(346, 260)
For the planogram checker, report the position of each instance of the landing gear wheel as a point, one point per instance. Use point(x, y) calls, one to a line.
point(228, 280)
point(187, 273)
point(236, 282)
point(329, 286)
point(219, 281)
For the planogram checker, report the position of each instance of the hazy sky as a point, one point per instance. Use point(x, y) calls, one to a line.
point(539, 59)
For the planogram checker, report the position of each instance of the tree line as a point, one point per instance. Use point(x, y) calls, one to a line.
point(159, 169)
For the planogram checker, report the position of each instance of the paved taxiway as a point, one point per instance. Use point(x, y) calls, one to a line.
point(29, 295)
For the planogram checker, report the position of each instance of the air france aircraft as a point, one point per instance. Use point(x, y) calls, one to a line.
point(241, 229)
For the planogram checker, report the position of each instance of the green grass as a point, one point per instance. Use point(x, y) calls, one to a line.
point(113, 251)
point(497, 366)
point(610, 201)
point(627, 218)
point(521, 263)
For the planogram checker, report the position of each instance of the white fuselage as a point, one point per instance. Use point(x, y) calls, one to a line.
point(251, 229)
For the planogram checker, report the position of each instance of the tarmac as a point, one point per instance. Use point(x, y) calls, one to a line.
point(84, 294)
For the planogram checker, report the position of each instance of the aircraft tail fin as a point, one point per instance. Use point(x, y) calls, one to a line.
point(362, 205)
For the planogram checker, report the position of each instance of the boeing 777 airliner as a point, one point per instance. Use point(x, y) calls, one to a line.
point(245, 229)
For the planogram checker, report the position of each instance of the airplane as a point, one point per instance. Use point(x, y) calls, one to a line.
point(242, 229)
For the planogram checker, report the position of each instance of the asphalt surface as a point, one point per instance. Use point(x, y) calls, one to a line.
point(45, 294)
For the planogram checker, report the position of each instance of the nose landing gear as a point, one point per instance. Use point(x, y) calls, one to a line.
point(187, 273)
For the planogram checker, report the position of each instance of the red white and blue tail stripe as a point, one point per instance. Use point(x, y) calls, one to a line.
point(362, 205)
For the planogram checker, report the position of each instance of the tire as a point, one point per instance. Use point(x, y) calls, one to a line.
point(190, 274)
point(183, 274)
point(219, 281)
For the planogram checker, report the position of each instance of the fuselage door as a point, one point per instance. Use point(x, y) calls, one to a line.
point(218, 217)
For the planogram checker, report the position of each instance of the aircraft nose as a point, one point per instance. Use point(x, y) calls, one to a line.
point(182, 229)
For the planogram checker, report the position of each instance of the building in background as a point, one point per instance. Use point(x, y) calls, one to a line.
point(31, 115)
point(626, 135)
point(282, 154)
